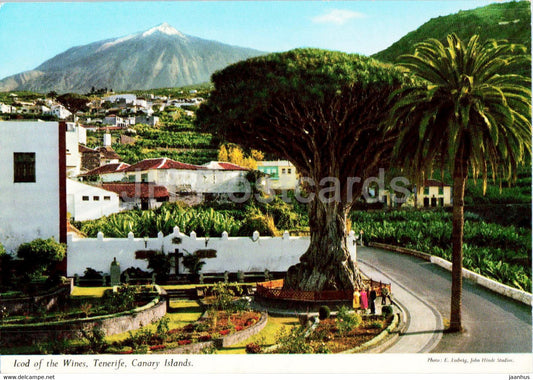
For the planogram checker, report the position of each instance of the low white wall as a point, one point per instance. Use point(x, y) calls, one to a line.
point(248, 254)
point(495, 286)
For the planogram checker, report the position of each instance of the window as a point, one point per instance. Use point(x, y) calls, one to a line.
point(282, 171)
point(131, 178)
point(96, 198)
point(24, 167)
point(289, 171)
point(85, 198)
point(426, 190)
point(144, 177)
point(441, 190)
point(107, 198)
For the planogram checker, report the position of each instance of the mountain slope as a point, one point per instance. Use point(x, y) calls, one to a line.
point(510, 21)
point(159, 57)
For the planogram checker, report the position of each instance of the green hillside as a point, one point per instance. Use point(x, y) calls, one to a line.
point(510, 21)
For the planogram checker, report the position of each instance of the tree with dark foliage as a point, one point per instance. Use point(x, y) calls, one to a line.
point(322, 111)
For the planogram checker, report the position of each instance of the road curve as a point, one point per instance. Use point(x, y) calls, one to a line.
point(494, 323)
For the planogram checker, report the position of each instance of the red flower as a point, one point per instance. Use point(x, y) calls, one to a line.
point(157, 347)
point(238, 328)
point(126, 352)
point(224, 332)
point(205, 338)
point(184, 342)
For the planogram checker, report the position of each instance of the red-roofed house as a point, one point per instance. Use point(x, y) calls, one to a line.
point(218, 165)
point(138, 195)
point(106, 173)
point(181, 178)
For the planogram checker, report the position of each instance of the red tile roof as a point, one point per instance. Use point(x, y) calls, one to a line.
point(84, 149)
point(144, 190)
point(108, 152)
point(434, 182)
point(106, 169)
point(160, 163)
point(230, 166)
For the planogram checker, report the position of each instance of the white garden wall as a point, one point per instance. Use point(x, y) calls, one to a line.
point(247, 254)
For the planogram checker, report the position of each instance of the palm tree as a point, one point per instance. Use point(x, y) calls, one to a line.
point(468, 112)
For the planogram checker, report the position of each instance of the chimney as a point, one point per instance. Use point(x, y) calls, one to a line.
point(107, 138)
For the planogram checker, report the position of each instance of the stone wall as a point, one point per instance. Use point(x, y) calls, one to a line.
point(25, 334)
point(17, 305)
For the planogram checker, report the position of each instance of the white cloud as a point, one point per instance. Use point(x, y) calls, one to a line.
point(337, 16)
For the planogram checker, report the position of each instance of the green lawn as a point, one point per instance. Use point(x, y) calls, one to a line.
point(266, 337)
point(79, 291)
point(185, 312)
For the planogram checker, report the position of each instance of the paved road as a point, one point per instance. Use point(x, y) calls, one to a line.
point(494, 324)
point(422, 329)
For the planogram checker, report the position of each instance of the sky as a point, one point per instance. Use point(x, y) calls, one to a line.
point(31, 33)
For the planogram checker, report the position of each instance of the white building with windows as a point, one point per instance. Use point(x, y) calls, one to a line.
point(59, 111)
point(282, 174)
point(6, 108)
point(75, 135)
point(33, 181)
point(85, 202)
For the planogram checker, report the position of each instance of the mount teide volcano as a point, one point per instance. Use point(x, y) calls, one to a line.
point(158, 57)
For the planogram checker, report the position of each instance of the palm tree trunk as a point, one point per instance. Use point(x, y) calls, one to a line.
point(459, 182)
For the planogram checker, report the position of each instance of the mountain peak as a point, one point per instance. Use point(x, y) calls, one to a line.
point(165, 29)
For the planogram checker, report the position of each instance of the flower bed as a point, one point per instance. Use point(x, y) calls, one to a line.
point(327, 333)
point(210, 330)
point(336, 334)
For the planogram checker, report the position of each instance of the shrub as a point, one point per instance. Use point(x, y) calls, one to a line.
point(303, 319)
point(293, 341)
point(40, 255)
point(96, 338)
point(91, 274)
point(140, 338)
point(346, 320)
point(6, 270)
point(324, 312)
point(224, 296)
point(253, 348)
point(194, 265)
point(162, 327)
point(386, 310)
point(134, 273)
point(121, 300)
point(375, 325)
point(160, 264)
point(264, 224)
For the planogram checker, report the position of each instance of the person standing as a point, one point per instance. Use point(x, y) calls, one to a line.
point(364, 299)
point(385, 293)
point(373, 296)
point(356, 300)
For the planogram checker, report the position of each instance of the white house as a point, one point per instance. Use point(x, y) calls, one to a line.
point(434, 194)
point(115, 121)
point(6, 108)
point(126, 98)
point(59, 111)
point(139, 195)
point(177, 177)
point(85, 202)
point(33, 182)
point(282, 174)
point(107, 173)
point(75, 135)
